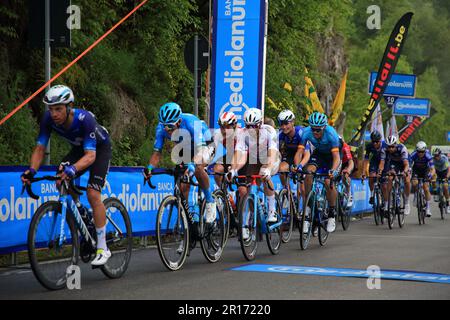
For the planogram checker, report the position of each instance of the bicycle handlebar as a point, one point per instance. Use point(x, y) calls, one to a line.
point(78, 189)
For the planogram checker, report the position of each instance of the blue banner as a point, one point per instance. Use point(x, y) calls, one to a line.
point(412, 107)
point(403, 85)
point(238, 57)
point(124, 183)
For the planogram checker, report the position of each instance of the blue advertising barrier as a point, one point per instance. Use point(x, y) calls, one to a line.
point(125, 183)
point(403, 85)
point(412, 107)
point(238, 46)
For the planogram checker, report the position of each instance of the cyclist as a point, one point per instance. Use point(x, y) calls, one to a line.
point(348, 166)
point(395, 155)
point(325, 158)
point(257, 150)
point(91, 151)
point(422, 167)
point(187, 131)
point(442, 169)
point(373, 152)
point(289, 138)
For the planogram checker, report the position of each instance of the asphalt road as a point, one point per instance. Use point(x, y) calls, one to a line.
point(418, 248)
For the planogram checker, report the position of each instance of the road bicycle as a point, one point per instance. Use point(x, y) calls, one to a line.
point(253, 215)
point(419, 197)
point(315, 211)
point(59, 234)
point(441, 184)
point(342, 209)
point(178, 228)
point(396, 201)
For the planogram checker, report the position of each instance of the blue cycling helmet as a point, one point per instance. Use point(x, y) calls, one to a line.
point(169, 113)
point(318, 119)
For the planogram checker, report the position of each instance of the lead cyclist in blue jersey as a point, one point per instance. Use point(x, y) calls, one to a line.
point(191, 135)
point(324, 159)
point(91, 150)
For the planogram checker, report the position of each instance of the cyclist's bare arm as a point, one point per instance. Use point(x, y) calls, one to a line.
point(155, 159)
point(336, 159)
point(239, 160)
point(299, 155)
point(37, 157)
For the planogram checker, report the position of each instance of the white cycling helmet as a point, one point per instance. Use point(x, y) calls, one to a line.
point(253, 116)
point(227, 118)
point(421, 146)
point(286, 115)
point(58, 94)
point(391, 140)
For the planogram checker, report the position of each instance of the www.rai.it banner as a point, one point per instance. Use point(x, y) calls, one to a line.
point(238, 57)
point(124, 183)
point(387, 67)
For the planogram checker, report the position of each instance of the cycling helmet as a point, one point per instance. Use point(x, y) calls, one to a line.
point(318, 119)
point(421, 146)
point(437, 152)
point(227, 118)
point(375, 136)
point(58, 94)
point(391, 140)
point(169, 113)
point(286, 115)
point(253, 116)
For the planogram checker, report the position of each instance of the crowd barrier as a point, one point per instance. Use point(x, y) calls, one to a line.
point(125, 183)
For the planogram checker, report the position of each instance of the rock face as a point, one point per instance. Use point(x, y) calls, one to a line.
point(332, 66)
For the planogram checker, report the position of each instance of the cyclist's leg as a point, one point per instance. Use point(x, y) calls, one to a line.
point(97, 179)
point(284, 166)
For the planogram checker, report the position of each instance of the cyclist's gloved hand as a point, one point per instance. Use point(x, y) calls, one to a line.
point(265, 173)
point(147, 172)
point(334, 173)
point(231, 174)
point(70, 171)
point(27, 175)
point(299, 168)
point(429, 176)
point(191, 169)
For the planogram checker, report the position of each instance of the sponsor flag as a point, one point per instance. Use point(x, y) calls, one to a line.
point(387, 67)
point(377, 122)
point(312, 99)
point(392, 128)
point(338, 103)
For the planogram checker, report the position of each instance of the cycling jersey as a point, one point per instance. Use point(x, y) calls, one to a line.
point(257, 150)
point(418, 163)
point(374, 154)
point(83, 132)
point(197, 129)
point(288, 146)
point(219, 150)
point(346, 154)
point(441, 165)
point(399, 155)
point(328, 143)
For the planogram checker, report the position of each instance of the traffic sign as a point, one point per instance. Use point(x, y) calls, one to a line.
point(390, 100)
point(203, 54)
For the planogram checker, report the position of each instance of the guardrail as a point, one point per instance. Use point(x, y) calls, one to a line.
point(125, 183)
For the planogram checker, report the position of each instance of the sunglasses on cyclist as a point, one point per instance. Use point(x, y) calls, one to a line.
point(170, 127)
point(284, 122)
point(391, 147)
point(379, 141)
point(317, 130)
point(252, 126)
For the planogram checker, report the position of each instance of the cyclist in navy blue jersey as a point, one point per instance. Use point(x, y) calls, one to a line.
point(395, 159)
point(91, 151)
point(372, 158)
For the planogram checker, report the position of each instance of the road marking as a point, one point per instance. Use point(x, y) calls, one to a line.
point(344, 272)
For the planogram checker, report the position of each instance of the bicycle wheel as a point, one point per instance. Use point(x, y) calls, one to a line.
point(442, 208)
point(419, 207)
point(274, 237)
point(391, 209)
point(119, 238)
point(247, 227)
point(376, 208)
point(400, 211)
point(323, 233)
point(172, 233)
point(344, 212)
point(213, 234)
point(223, 205)
point(305, 228)
point(49, 259)
point(286, 213)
